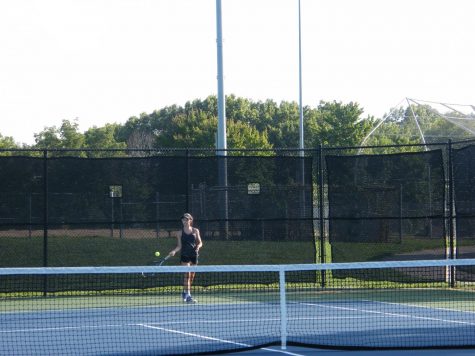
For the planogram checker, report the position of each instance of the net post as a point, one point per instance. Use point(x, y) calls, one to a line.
point(283, 310)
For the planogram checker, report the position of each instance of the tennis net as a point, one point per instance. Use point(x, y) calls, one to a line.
point(140, 311)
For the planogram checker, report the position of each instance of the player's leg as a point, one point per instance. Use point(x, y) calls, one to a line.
point(189, 277)
point(193, 262)
point(186, 281)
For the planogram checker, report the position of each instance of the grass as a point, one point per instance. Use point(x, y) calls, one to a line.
point(114, 251)
point(106, 251)
point(138, 250)
point(347, 252)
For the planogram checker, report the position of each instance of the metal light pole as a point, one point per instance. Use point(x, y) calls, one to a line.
point(301, 142)
point(221, 137)
point(303, 203)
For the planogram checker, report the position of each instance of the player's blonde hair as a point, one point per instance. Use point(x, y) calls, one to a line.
point(187, 216)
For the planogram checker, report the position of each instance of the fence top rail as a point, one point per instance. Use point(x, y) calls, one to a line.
point(212, 149)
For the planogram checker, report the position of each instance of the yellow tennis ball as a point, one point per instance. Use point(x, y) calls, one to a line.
point(157, 253)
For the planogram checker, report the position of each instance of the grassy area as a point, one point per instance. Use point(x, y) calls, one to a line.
point(347, 252)
point(106, 251)
point(116, 251)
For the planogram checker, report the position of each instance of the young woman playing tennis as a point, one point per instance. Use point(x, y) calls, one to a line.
point(189, 243)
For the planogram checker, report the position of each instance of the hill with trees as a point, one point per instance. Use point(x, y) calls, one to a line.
point(250, 124)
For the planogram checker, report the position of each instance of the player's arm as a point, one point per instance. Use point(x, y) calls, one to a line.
point(199, 242)
point(178, 246)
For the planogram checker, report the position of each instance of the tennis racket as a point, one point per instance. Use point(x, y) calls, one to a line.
point(162, 261)
point(156, 263)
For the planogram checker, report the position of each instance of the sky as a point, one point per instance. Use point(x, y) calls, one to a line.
point(104, 61)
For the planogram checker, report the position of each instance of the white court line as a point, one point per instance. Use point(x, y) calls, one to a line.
point(391, 314)
point(64, 328)
point(217, 321)
point(214, 339)
point(119, 308)
point(147, 326)
point(423, 307)
point(102, 308)
point(220, 321)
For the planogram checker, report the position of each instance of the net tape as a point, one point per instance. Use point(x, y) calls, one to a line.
point(237, 268)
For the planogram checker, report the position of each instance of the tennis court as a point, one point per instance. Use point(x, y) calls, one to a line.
point(305, 351)
point(240, 307)
point(119, 330)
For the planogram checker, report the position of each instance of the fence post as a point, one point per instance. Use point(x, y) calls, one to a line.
point(401, 213)
point(112, 217)
point(157, 213)
point(45, 208)
point(45, 218)
point(451, 221)
point(30, 218)
point(321, 212)
point(121, 218)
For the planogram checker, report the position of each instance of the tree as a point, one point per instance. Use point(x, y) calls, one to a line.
point(66, 136)
point(48, 138)
point(336, 124)
point(104, 138)
point(140, 139)
point(188, 128)
point(7, 142)
point(283, 128)
point(250, 124)
point(70, 135)
point(245, 136)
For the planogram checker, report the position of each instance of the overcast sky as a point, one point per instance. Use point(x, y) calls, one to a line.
point(103, 61)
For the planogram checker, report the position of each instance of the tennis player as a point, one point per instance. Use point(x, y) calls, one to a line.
point(189, 243)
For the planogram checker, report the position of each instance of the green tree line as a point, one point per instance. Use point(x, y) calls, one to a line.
point(250, 125)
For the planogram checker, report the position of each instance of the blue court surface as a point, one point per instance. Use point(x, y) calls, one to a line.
point(301, 351)
point(130, 328)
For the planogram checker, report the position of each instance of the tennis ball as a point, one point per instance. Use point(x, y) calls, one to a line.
point(157, 253)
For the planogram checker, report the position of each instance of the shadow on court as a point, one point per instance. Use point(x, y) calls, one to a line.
point(296, 351)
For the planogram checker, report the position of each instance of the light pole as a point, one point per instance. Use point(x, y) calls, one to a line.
point(221, 137)
point(301, 142)
point(303, 211)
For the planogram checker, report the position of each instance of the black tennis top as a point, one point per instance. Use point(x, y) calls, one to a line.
point(188, 244)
